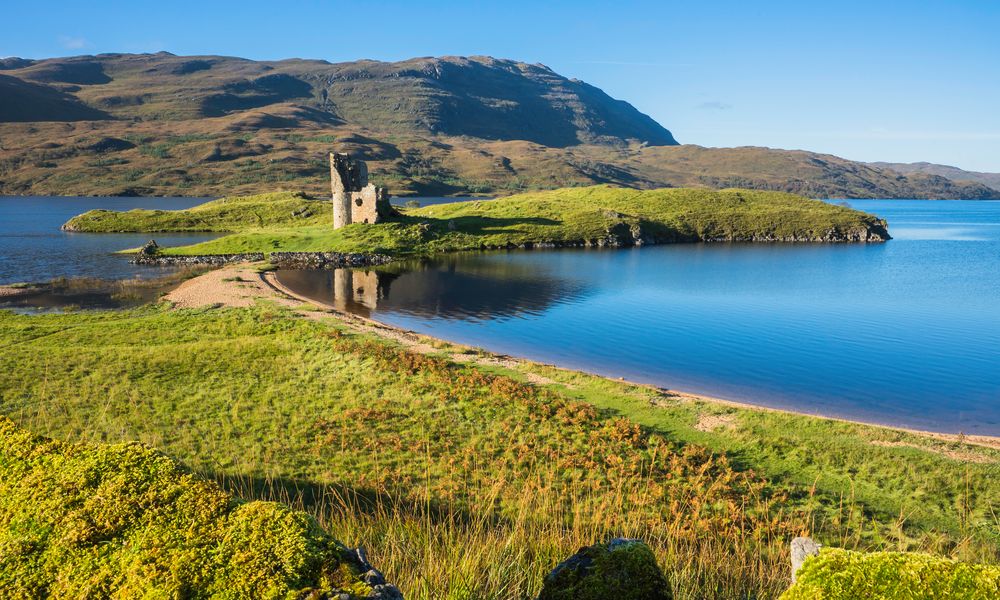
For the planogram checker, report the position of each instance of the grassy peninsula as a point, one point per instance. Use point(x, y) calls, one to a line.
point(468, 477)
point(598, 215)
point(281, 209)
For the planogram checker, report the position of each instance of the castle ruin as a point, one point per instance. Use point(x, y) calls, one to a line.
point(354, 199)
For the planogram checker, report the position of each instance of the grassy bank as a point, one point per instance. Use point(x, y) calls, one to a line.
point(238, 213)
point(600, 215)
point(468, 481)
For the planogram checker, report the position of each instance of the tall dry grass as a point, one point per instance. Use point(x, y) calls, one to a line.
point(502, 544)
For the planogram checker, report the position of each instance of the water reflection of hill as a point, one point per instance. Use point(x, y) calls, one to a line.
point(468, 287)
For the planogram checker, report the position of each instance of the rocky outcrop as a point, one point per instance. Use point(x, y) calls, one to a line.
point(204, 259)
point(624, 235)
point(149, 254)
point(622, 569)
point(373, 578)
point(875, 232)
point(149, 249)
point(326, 260)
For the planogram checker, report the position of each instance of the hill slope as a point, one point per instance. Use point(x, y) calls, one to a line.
point(159, 124)
point(479, 96)
point(23, 101)
point(991, 180)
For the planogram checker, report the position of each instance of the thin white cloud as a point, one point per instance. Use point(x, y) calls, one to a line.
point(71, 42)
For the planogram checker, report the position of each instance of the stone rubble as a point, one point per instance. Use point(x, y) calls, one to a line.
point(326, 260)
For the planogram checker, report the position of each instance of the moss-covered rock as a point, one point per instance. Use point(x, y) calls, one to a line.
point(620, 570)
point(842, 575)
point(123, 520)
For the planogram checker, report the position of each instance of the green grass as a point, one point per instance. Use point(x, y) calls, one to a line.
point(467, 482)
point(568, 216)
point(226, 214)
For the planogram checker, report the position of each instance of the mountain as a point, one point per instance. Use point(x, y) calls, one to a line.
point(480, 97)
point(806, 173)
point(210, 125)
point(991, 180)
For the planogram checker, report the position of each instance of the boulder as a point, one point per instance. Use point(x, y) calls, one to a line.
point(150, 248)
point(802, 548)
point(623, 569)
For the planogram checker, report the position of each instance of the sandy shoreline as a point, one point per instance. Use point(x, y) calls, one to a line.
point(242, 285)
point(981, 440)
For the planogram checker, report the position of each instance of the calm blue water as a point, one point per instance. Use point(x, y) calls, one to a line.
point(32, 248)
point(903, 333)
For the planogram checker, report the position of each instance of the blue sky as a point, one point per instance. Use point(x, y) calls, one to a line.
point(895, 81)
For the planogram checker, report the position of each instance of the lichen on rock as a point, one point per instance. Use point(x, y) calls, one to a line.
point(124, 520)
point(622, 569)
point(837, 574)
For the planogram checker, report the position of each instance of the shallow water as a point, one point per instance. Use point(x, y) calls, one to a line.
point(903, 333)
point(32, 248)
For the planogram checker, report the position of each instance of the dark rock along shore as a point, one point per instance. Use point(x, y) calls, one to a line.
point(149, 254)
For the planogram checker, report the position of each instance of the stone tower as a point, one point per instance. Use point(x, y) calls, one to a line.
point(354, 199)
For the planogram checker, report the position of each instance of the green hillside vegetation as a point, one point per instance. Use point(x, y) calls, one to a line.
point(472, 481)
point(597, 215)
point(123, 520)
point(892, 576)
point(158, 124)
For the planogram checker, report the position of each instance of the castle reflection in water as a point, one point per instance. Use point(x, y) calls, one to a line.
point(464, 287)
point(355, 291)
point(355, 288)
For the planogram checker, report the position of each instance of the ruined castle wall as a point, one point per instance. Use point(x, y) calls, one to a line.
point(366, 205)
point(342, 213)
point(354, 199)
